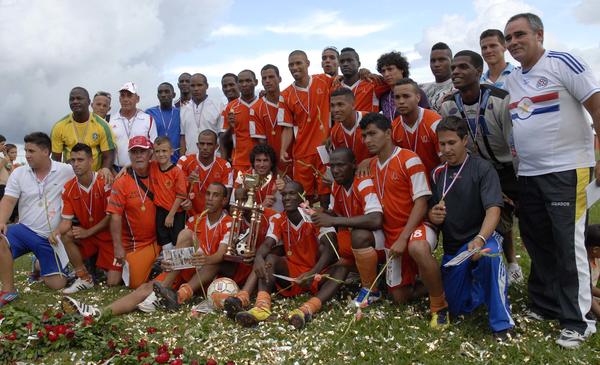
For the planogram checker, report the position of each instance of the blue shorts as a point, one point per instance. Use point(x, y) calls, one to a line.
point(22, 240)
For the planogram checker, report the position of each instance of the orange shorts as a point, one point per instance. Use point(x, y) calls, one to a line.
point(304, 173)
point(183, 276)
point(106, 253)
point(140, 264)
point(242, 271)
point(291, 291)
point(344, 241)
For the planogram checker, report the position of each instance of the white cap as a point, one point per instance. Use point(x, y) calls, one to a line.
point(129, 86)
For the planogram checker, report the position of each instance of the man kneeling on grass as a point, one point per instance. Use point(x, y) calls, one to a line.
point(293, 248)
point(466, 205)
point(211, 231)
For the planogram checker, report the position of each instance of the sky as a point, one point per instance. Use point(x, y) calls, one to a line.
point(48, 47)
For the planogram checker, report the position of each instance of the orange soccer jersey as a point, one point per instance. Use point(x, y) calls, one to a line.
point(242, 141)
point(210, 235)
point(218, 171)
point(135, 205)
point(307, 111)
point(421, 138)
point(361, 199)
point(341, 137)
point(399, 181)
point(88, 205)
point(167, 185)
point(366, 94)
point(264, 116)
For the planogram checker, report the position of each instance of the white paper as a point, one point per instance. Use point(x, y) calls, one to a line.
point(179, 258)
point(593, 193)
point(59, 250)
point(323, 154)
point(305, 214)
point(125, 274)
point(461, 257)
point(286, 278)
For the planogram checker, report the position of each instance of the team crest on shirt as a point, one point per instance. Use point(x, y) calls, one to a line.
point(541, 83)
point(453, 111)
point(94, 136)
point(168, 184)
point(319, 91)
point(395, 176)
point(424, 139)
point(217, 175)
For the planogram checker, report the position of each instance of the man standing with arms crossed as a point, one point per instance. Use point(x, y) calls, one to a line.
point(555, 145)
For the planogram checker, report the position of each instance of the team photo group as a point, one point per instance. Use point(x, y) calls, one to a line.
point(348, 179)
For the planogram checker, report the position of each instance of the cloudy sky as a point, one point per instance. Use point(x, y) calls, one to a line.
point(50, 46)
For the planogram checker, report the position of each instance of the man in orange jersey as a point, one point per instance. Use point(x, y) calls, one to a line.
point(293, 248)
point(84, 225)
point(346, 131)
point(403, 190)
point(230, 86)
point(266, 112)
point(237, 121)
point(366, 92)
point(203, 169)
point(414, 127)
point(307, 121)
point(132, 211)
point(330, 61)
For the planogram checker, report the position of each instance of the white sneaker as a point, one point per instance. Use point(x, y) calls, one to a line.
point(570, 339)
point(515, 274)
point(70, 306)
point(78, 285)
point(150, 304)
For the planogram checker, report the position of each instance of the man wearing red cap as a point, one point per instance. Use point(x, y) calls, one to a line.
point(128, 123)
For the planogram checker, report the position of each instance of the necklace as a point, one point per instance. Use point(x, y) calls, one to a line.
point(167, 127)
point(381, 184)
point(81, 139)
point(198, 119)
point(88, 208)
point(271, 122)
point(143, 200)
point(445, 190)
point(289, 223)
point(307, 109)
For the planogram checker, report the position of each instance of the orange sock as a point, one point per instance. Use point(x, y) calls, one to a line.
point(263, 300)
point(312, 306)
point(218, 299)
point(437, 303)
point(244, 297)
point(184, 293)
point(82, 273)
point(366, 262)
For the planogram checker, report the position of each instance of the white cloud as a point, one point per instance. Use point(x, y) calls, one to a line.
point(50, 46)
point(327, 24)
point(588, 12)
point(229, 30)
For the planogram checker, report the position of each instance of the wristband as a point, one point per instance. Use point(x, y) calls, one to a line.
point(482, 238)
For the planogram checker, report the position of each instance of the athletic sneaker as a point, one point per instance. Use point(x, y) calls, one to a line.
point(570, 339)
point(515, 274)
point(150, 304)
point(232, 306)
point(362, 301)
point(7, 297)
point(298, 318)
point(251, 317)
point(71, 306)
point(167, 297)
point(79, 285)
point(440, 319)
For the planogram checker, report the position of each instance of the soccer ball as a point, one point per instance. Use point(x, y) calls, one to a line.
point(221, 285)
point(241, 248)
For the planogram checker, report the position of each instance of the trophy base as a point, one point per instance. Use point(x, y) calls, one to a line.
point(233, 258)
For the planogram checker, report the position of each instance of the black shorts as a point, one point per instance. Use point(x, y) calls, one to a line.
point(166, 235)
point(510, 188)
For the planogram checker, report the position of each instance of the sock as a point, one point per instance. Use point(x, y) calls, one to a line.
point(218, 299)
point(312, 306)
point(244, 297)
point(437, 303)
point(263, 300)
point(184, 293)
point(366, 263)
point(82, 273)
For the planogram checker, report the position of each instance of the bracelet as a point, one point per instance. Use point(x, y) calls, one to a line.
point(482, 238)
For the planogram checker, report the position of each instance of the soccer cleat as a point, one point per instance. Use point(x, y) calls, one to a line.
point(363, 301)
point(251, 317)
point(150, 304)
point(440, 319)
point(232, 306)
point(72, 306)
point(167, 297)
point(298, 318)
point(515, 274)
point(570, 339)
point(79, 285)
point(502, 336)
point(7, 297)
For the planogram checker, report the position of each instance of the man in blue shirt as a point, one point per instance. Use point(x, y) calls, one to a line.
point(493, 46)
point(167, 117)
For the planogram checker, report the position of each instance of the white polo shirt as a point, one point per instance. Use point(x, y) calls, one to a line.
point(124, 129)
point(198, 117)
point(40, 202)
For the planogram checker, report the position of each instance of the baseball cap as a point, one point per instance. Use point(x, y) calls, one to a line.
point(139, 141)
point(129, 86)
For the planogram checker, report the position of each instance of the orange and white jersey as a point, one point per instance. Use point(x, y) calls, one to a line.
point(218, 171)
point(366, 94)
point(242, 141)
point(399, 181)
point(300, 242)
point(264, 117)
point(342, 137)
point(421, 138)
point(210, 235)
point(307, 111)
point(361, 199)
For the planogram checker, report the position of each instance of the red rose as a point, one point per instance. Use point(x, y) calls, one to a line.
point(194, 362)
point(61, 329)
point(88, 320)
point(48, 328)
point(162, 349)
point(176, 362)
point(69, 333)
point(211, 362)
point(142, 344)
point(142, 355)
point(52, 336)
point(58, 315)
point(151, 330)
point(125, 351)
point(111, 344)
point(178, 351)
point(162, 358)
point(12, 336)
point(29, 325)
point(40, 334)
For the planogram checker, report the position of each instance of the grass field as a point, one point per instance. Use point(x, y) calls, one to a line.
point(388, 334)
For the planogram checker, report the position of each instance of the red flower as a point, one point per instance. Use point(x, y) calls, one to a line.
point(58, 315)
point(142, 344)
point(211, 362)
point(40, 334)
point(194, 362)
point(176, 362)
point(230, 363)
point(162, 349)
point(88, 320)
point(48, 328)
point(52, 336)
point(125, 351)
point(151, 330)
point(142, 355)
point(69, 333)
point(178, 351)
point(111, 344)
point(162, 358)
point(70, 324)
point(318, 277)
point(61, 329)
point(29, 325)
point(12, 336)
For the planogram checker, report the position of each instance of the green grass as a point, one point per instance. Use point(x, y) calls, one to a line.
point(388, 334)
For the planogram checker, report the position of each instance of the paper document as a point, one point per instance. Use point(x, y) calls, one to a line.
point(179, 258)
point(461, 257)
point(59, 250)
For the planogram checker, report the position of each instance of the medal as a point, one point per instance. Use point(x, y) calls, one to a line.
point(289, 253)
point(143, 208)
point(308, 120)
point(446, 190)
point(91, 219)
point(273, 132)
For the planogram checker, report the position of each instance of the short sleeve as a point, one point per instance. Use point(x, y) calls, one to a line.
point(491, 192)
point(68, 212)
point(13, 186)
point(256, 124)
point(56, 138)
point(419, 185)
point(274, 230)
point(284, 114)
point(576, 75)
point(227, 176)
point(152, 133)
point(116, 202)
point(180, 183)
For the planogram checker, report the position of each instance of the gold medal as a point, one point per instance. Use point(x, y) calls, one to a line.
point(308, 120)
point(442, 203)
point(273, 132)
point(289, 253)
point(321, 127)
point(91, 219)
point(143, 208)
